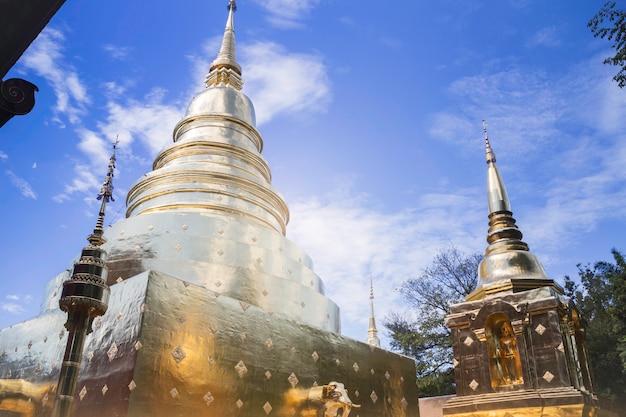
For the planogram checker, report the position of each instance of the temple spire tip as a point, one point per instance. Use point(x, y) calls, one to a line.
point(225, 70)
point(490, 156)
point(106, 195)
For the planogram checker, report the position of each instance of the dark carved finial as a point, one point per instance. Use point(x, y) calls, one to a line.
point(17, 97)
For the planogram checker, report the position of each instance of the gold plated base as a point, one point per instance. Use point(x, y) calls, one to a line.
point(561, 402)
point(167, 348)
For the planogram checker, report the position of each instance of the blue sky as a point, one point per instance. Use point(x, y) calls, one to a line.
point(371, 116)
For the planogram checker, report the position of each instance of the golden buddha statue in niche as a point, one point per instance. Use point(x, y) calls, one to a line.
point(509, 364)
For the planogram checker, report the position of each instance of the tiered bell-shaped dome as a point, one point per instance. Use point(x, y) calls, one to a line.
point(208, 214)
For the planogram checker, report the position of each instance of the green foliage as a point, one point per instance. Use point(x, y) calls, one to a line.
point(610, 23)
point(425, 337)
point(601, 301)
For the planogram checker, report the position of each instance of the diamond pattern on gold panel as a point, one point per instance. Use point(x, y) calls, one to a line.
point(174, 393)
point(473, 385)
point(239, 403)
point(105, 388)
point(355, 367)
point(374, 397)
point(82, 393)
point(112, 352)
point(178, 354)
point(269, 344)
point(241, 369)
point(387, 376)
point(468, 341)
point(268, 375)
point(138, 345)
point(404, 403)
point(132, 385)
point(315, 356)
point(293, 380)
point(208, 398)
point(540, 329)
point(267, 407)
point(548, 376)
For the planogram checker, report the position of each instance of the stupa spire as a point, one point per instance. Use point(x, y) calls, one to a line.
point(224, 69)
point(372, 339)
point(85, 295)
point(106, 195)
point(508, 264)
point(497, 196)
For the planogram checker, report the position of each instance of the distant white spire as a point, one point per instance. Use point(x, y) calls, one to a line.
point(372, 339)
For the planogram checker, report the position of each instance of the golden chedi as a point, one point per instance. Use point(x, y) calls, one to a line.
point(518, 343)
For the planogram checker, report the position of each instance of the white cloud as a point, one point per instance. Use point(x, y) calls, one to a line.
point(94, 146)
point(276, 80)
point(287, 13)
point(546, 37)
point(3, 157)
point(12, 308)
point(23, 185)
point(282, 82)
point(83, 182)
point(567, 129)
point(45, 57)
point(517, 105)
point(120, 53)
point(351, 239)
point(150, 120)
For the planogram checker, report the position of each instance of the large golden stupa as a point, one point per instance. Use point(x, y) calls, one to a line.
point(212, 310)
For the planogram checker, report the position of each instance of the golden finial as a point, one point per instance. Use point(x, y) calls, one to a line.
point(491, 157)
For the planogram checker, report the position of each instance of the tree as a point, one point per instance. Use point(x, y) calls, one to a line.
point(451, 276)
point(615, 31)
point(601, 301)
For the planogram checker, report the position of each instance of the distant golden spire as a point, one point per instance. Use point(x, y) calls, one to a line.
point(224, 69)
point(497, 197)
point(372, 339)
point(508, 266)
